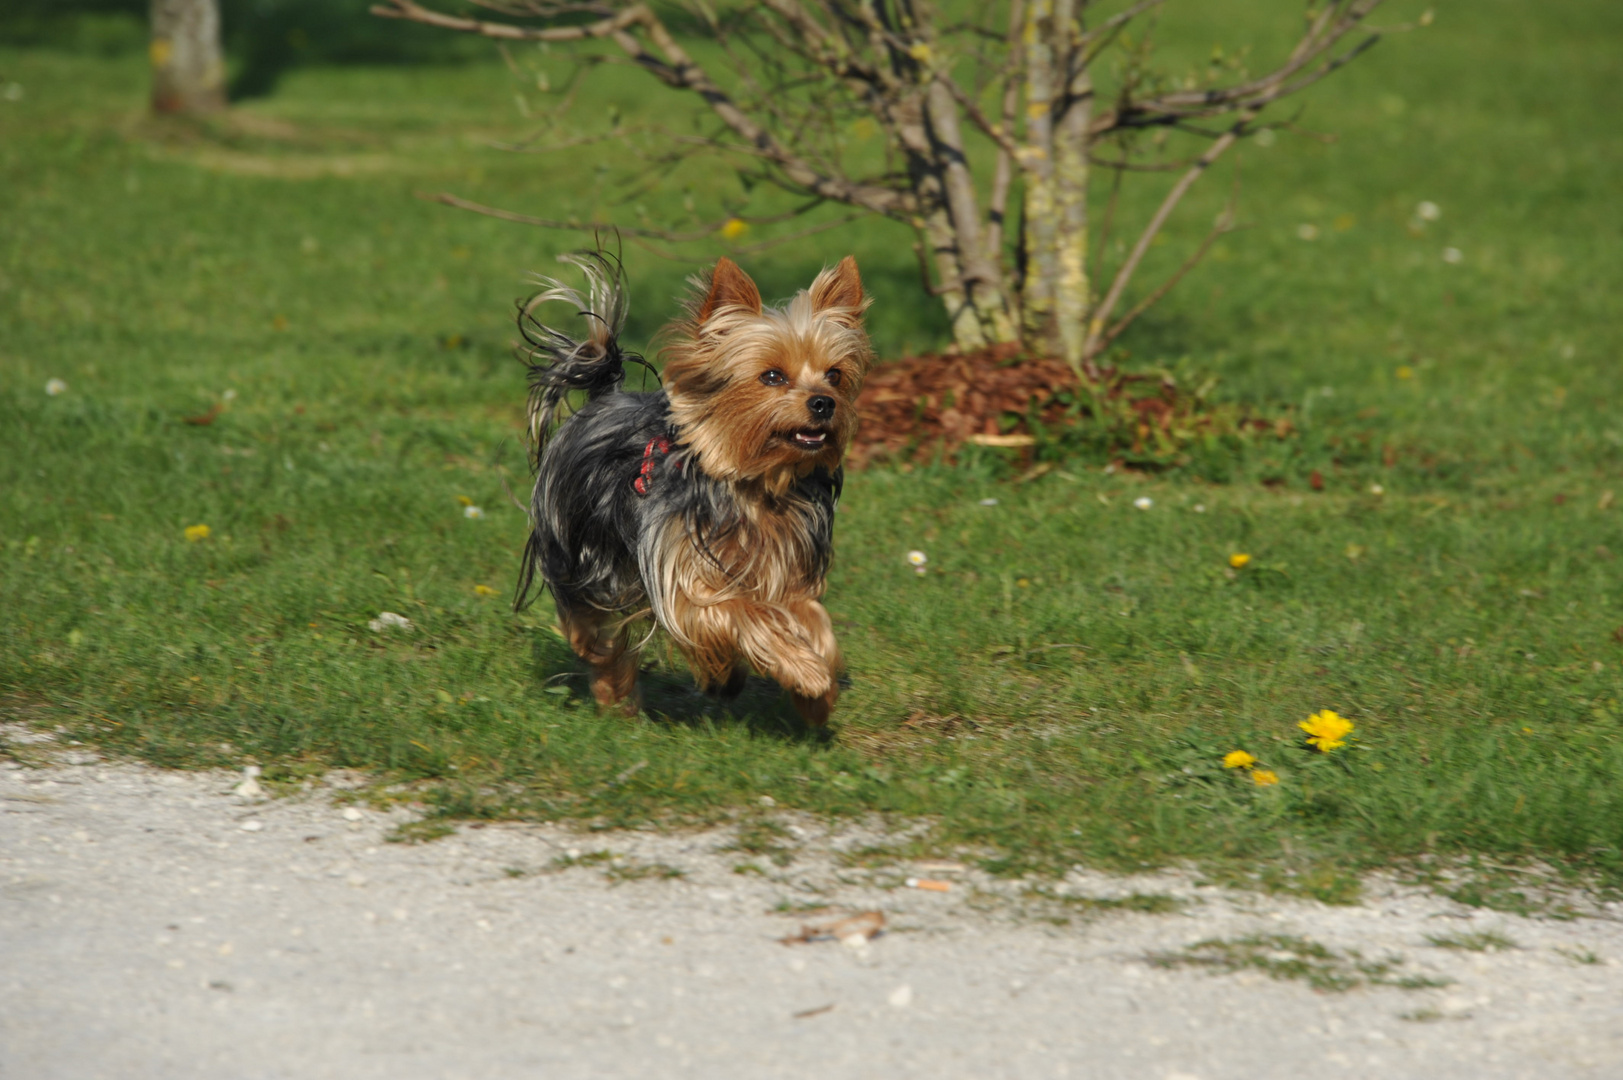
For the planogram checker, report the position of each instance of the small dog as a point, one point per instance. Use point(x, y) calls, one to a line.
point(709, 502)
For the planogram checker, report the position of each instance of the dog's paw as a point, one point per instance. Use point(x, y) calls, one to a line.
point(815, 711)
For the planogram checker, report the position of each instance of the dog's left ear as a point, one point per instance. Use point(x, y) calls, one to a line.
point(840, 289)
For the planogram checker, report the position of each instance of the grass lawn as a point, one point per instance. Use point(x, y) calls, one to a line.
point(1062, 684)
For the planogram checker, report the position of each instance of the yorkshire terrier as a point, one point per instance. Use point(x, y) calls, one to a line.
point(708, 502)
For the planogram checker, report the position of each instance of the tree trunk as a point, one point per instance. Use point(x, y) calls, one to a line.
point(982, 277)
point(1037, 163)
point(188, 71)
point(1071, 286)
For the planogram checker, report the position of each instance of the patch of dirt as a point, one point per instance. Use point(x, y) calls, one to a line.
point(921, 405)
point(920, 402)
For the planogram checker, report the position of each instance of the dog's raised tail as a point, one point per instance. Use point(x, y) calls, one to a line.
point(560, 364)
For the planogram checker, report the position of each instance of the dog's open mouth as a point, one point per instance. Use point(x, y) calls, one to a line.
point(809, 438)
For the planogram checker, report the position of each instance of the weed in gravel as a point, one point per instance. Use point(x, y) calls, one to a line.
point(763, 836)
point(617, 868)
point(293, 777)
point(420, 832)
point(629, 869)
point(1282, 956)
point(1147, 903)
point(1430, 1016)
point(1579, 956)
point(571, 859)
point(1482, 941)
point(806, 908)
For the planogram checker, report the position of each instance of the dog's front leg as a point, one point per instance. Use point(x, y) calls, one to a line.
point(793, 644)
point(813, 618)
point(602, 642)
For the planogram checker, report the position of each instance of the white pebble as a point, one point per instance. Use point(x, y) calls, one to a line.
point(251, 826)
point(249, 788)
point(901, 997)
point(352, 814)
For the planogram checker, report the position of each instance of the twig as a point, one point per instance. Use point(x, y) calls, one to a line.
point(1102, 313)
point(1225, 225)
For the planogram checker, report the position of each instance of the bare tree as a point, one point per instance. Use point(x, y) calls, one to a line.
point(188, 68)
point(1022, 78)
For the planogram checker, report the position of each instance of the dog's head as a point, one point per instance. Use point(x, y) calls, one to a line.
point(768, 393)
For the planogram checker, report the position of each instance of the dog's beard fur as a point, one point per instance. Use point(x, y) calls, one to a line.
point(725, 534)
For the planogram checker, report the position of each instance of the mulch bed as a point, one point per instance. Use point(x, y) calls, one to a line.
point(920, 403)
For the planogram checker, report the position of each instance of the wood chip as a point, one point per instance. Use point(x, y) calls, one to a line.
point(857, 928)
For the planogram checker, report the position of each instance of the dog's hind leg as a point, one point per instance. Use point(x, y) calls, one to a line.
point(601, 640)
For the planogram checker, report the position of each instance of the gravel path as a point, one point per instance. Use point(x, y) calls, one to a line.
point(157, 924)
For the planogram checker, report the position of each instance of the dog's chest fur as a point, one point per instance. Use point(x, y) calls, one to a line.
point(741, 540)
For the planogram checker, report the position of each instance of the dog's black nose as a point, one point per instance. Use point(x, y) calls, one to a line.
point(821, 406)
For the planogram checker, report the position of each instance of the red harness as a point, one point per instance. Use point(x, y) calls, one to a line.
point(659, 445)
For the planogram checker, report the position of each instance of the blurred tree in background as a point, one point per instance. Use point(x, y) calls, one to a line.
point(188, 69)
point(263, 38)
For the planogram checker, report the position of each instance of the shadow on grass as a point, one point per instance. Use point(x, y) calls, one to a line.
point(672, 698)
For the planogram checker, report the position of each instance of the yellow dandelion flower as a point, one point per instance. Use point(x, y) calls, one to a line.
point(1326, 730)
point(1264, 777)
point(1239, 560)
point(1238, 759)
point(734, 228)
point(194, 533)
point(484, 590)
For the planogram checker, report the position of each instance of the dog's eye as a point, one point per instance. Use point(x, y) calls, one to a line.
point(833, 376)
point(774, 378)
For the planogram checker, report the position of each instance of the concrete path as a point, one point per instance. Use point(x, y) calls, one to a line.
point(159, 925)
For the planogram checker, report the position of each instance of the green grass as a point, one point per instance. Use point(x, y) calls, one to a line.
point(1061, 686)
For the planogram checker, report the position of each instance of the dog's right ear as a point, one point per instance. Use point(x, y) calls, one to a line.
point(729, 287)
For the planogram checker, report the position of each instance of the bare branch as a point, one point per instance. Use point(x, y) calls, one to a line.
point(412, 11)
point(997, 133)
point(1106, 224)
point(1225, 224)
point(460, 203)
point(1121, 19)
point(800, 234)
point(1101, 314)
point(1333, 22)
point(1124, 165)
point(1003, 170)
point(678, 70)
